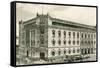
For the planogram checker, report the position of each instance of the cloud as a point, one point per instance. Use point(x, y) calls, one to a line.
point(84, 15)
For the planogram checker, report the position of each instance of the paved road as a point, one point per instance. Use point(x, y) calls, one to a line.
point(92, 58)
point(40, 62)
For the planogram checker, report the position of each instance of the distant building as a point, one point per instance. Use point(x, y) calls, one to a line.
point(49, 38)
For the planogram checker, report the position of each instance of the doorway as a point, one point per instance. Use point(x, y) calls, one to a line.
point(42, 55)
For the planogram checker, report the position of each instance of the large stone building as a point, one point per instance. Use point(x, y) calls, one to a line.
point(44, 37)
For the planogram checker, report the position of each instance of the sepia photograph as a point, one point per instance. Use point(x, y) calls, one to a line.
point(53, 34)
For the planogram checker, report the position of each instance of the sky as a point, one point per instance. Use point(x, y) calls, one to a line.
point(83, 15)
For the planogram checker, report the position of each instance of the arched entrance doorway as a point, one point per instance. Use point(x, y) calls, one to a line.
point(42, 55)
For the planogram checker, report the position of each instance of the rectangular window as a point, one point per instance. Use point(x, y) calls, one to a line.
point(69, 51)
point(53, 42)
point(73, 50)
point(64, 42)
point(59, 42)
point(69, 41)
point(42, 30)
point(42, 40)
point(78, 50)
point(53, 33)
point(64, 34)
point(78, 42)
point(59, 33)
point(85, 36)
point(73, 42)
point(73, 34)
point(82, 35)
point(88, 35)
point(69, 33)
point(94, 36)
point(91, 36)
point(77, 35)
